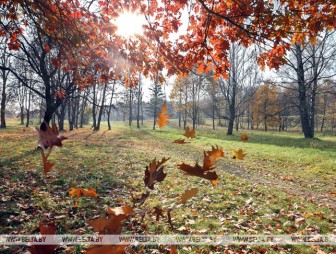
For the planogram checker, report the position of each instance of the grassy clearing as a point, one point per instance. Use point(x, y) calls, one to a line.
point(282, 179)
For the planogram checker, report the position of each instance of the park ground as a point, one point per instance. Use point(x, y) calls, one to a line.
point(284, 185)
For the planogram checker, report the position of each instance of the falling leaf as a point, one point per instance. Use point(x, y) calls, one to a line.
point(188, 194)
point(180, 141)
point(107, 226)
point(199, 171)
point(158, 211)
point(162, 117)
point(238, 154)
point(119, 210)
point(173, 249)
point(140, 199)
point(49, 137)
point(45, 229)
point(47, 165)
point(169, 212)
point(91, 192)
point(190, 133)
point(215, 153)
point(154, 173)
point(244, 137)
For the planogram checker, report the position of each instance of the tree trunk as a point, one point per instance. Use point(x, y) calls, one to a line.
point(101, 110)
point(3, 101)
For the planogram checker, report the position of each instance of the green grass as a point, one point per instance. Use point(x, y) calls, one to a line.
point(283, 177)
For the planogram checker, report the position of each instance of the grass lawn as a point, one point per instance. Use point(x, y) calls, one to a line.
point(285, 185)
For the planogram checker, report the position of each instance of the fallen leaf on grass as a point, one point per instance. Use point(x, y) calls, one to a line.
point(173, 249)
point(180, 141)
point(238, 154)
point(154, 173)
point(190, 133)
point(91, 192)
point(140, 200)
point(188, 194)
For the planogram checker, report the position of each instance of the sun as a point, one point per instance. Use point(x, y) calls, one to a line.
point(129, 24)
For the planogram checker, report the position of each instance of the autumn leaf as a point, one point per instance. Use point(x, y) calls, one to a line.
point(47, 165)
point(199, 171)
point(110, 226)
point(238, 154)
point(45, 229)
point(162, 117)
point(154, 173)
point(140, 199)
point(49, 137)
point(126, 210)
point(158, 211)
point(215, 153)
point(190, 133)
point(91, 192)
point(180, 141)
point(188, 194)
point(244, 137)
point(173, 249)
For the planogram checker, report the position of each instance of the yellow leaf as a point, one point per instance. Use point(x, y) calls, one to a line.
point(238, 154)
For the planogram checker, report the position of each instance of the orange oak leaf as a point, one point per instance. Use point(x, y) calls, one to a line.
point(45, 229)
point(91, 192)
point(244, 137)
point(107, 226)
point(215, 153)
point(190, 133)
point(154, 173)
point(188, 194)
point(162, 117)
point(119, 210)
point(173, 249)
point(238, 154)
point(199, 171)
point(47, 165)
point(49, 137)
point(180, 141)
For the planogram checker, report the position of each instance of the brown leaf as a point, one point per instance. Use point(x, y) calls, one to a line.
point(169, 212)
point(162, 117)
point(47, 165)
point(180, 141)
point(238, 154)
point(197, 170)
point(126, 210)
point(45, 229)
point(244, 137)
point(140, 199)
point(190, 133)
point(49, 137)
point(188, 194)
point(107, 226)
point(154, 173)
point(158, 212)
point(173, 249)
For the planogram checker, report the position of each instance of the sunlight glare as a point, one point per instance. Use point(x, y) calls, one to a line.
point(129, 24)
